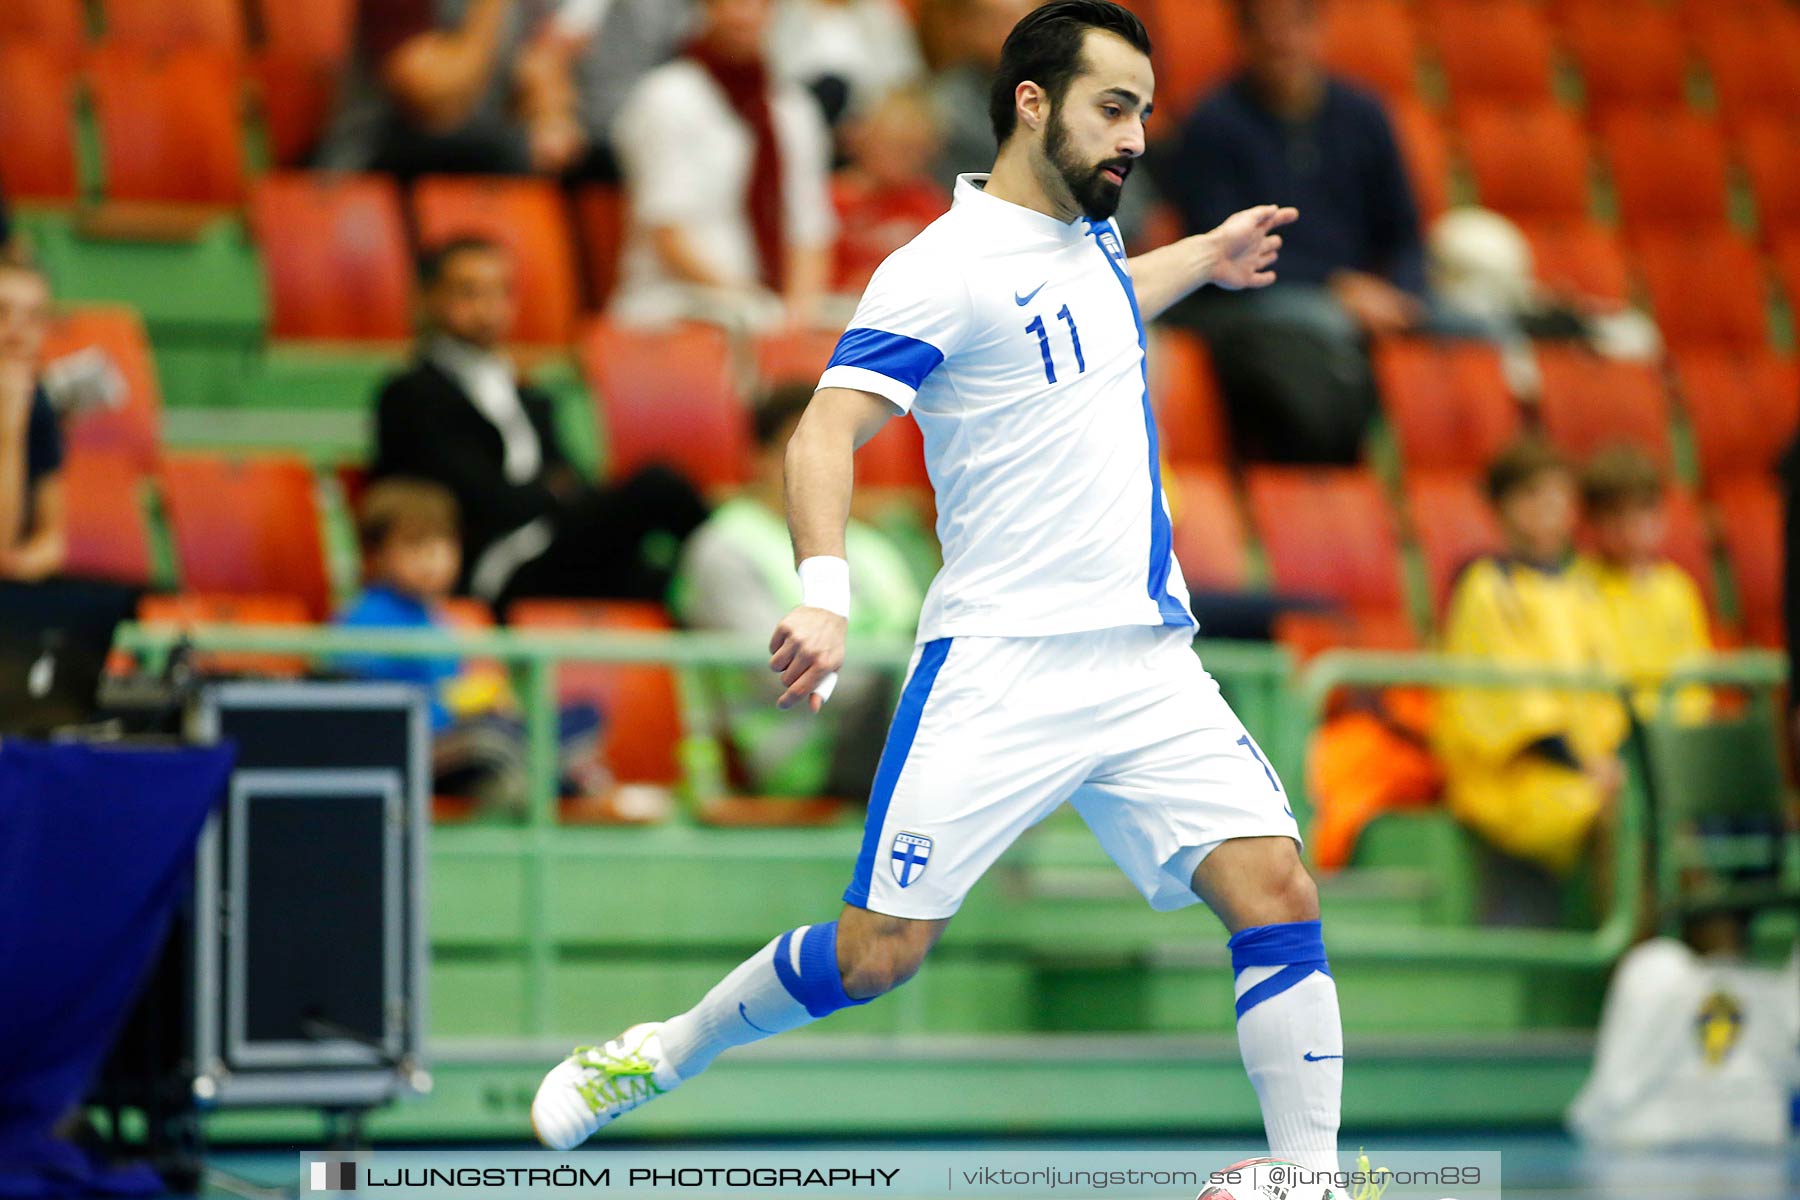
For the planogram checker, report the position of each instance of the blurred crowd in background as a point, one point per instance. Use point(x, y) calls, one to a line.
point(765, 156)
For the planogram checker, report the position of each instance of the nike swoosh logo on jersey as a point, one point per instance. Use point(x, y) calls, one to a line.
point(1309, 1056)
point(1022, 301)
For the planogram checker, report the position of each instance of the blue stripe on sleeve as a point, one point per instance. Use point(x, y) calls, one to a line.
point(900, 358)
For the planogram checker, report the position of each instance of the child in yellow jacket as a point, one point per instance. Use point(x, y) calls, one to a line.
point(1531, 769)
point(1652, 606)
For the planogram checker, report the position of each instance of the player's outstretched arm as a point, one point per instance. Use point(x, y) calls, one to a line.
point(808, 645)
point(1240, 253)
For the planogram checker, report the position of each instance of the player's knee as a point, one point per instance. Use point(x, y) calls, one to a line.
point(885, 954)
point(879, 967)
point(1291, 895)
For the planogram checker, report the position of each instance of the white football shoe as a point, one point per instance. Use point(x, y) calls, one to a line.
point(595, 1085)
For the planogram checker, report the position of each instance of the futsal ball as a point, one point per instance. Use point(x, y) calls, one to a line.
point(1257, 1179)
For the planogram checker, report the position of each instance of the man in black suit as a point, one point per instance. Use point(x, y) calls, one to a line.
point(460, 416)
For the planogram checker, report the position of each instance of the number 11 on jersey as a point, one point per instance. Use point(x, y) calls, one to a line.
point(1042, 330)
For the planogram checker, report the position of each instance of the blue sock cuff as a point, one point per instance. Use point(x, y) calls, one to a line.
point(1297, 947)
point(1288, 944)
point(817, 985)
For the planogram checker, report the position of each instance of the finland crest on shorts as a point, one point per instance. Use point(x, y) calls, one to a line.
point(910, 854)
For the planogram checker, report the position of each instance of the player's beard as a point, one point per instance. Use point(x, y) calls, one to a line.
point(1097, 195)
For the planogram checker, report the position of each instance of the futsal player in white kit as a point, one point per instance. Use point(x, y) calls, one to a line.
point(1054, 661)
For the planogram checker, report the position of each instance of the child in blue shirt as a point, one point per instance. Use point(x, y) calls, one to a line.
point(408, 529)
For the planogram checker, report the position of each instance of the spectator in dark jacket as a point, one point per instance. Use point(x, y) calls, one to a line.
point(531, 525)
point(1292, 358)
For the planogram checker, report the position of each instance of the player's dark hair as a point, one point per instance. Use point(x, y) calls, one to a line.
point(437, 259)
point(1045, 48)
point(782, 404)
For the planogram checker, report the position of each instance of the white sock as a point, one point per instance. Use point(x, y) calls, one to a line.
point(763, 996)
point(1291, 1038)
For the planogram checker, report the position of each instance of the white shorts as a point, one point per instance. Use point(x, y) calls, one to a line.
point(992, 734)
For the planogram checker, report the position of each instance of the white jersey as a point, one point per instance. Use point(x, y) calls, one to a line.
point(1015, 342)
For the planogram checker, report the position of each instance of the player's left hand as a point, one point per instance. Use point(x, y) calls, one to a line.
point(1246, 245)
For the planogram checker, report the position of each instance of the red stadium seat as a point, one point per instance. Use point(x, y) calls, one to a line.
point(1448, 401)
point(1328, 532)
point(527, 217)
point(37, 124)
point(667, 396)
point(109, 537)
point(1631, 54)
point(1528, 161)
point(893, 458)
point(1455, 525)
point(1492, 49)
point(187, 609)
point(600, 224)
point(1372, 43)
point(1190, 418)
point(466, 613)
point(1688, 543)
point(1427, 154)
point(1589, 403)
point(641, 738)
point(1787, 266)
point(1768, 148)
point(1706, 288)
point(1755, 65)
point(793, 358)
point(169, 126)
point(56, 25)
point(1668, 167)
point(1196, 49)
point(334, 249)
point(247, 527)
point(134, 430)
point(1744, 408)
point(1699, 17)
point(1750, 523)
point(1579, 258)
point(1210, 542)
point(313, 30)
point(161, 26)
point(296, 97)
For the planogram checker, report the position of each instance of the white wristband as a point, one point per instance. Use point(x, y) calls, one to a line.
point(825, 583)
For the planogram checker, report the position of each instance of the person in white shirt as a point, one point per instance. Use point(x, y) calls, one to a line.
point(848, 53)
point(1694, 1048)
point(727, 173)
point(1054, 661)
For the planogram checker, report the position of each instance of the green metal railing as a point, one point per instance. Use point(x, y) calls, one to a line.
point(1757, 670)
point(1258, 679)
point(1256, 676)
